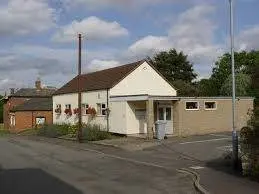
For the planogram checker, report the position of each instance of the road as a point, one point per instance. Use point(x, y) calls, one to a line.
point(58, 166)
point(30, 167)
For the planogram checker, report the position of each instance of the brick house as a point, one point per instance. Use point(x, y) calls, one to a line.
point(34, 112)
point(20, 97)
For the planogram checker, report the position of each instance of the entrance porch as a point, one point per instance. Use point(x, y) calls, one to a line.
point(141, 113)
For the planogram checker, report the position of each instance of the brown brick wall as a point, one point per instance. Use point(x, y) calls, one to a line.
point(27, 119)
point(12, 102)
point(210, 121)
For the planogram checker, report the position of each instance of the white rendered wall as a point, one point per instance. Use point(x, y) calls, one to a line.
point(91, 98)
point(143, 80)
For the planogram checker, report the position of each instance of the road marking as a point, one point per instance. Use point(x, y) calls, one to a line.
point(227, 148)
point(203, 141)
point(218, 135)
point(196, 167)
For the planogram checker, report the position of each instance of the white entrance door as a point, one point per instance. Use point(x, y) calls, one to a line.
point(142, 123)
point(165, 113)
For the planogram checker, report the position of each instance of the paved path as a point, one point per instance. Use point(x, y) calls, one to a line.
point(30, 167)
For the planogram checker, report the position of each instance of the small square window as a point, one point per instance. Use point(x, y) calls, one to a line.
point(210, 105)
point(192, 106)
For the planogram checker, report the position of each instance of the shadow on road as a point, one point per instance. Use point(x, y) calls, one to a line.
point(32, 181)
point(225, 165)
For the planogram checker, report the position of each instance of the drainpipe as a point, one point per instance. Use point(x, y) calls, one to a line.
point(107, 112)
point(32, 119)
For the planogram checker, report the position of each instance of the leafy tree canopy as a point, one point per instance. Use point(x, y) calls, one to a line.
point(174, 66)
point(243, 85)
point(185, 88)
point(245, 63)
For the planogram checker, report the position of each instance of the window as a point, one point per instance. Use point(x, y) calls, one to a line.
point(101, 109)
point(58, 109)
point(68, 106)
point(168, 114)
point(192, 106)
point(161, 114)
point(40, 120)
point(210, 105)
point(85, 108)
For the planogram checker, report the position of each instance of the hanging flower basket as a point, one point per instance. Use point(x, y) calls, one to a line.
point(68, 112)
point(76, 111)
point(92, 112)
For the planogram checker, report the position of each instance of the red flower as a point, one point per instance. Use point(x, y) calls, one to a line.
point(68, 112)
point(76, 111)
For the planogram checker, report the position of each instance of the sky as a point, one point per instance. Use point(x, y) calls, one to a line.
point(38, 38)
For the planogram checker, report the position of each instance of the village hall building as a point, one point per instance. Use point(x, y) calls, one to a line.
point(129, 99)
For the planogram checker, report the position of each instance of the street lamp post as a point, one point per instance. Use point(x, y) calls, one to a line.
point(234, 132)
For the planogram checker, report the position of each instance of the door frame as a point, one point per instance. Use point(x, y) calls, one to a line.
point(169, 122)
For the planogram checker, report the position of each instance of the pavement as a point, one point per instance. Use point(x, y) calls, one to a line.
point(91, 168)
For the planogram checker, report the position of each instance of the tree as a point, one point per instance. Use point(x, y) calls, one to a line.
point(243, 85)
point(244, 63)
point(207, 87)
point(174, 66)
point(255, 82)
point(185, 88)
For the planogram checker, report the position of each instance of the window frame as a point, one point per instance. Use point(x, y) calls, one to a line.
point(68, 105)
point(216, 105)
point(58, 106)
point(84, 109)
point(198, 106)
point(40, 117)
point(102, 109)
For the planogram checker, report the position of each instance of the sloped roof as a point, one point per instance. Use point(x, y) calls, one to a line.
point(33, 92)
point(99, 80)
point(35, 104)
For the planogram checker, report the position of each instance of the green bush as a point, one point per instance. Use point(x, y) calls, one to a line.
point(93, 132)
point(4, 132)
point(57, 130)
point(250, 146)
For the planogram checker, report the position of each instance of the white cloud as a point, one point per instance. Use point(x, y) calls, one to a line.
point(6, 84)
point(101, 4)
point(93, 28)
point(97, 64)
point(193, 32)
point(150, 44)
point(247, 38)
point(21, 17)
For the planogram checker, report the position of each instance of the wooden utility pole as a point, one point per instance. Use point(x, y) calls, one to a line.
point(79, 134)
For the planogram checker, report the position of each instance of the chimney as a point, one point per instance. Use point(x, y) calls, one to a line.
point(11, 91)
point(38, 84)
